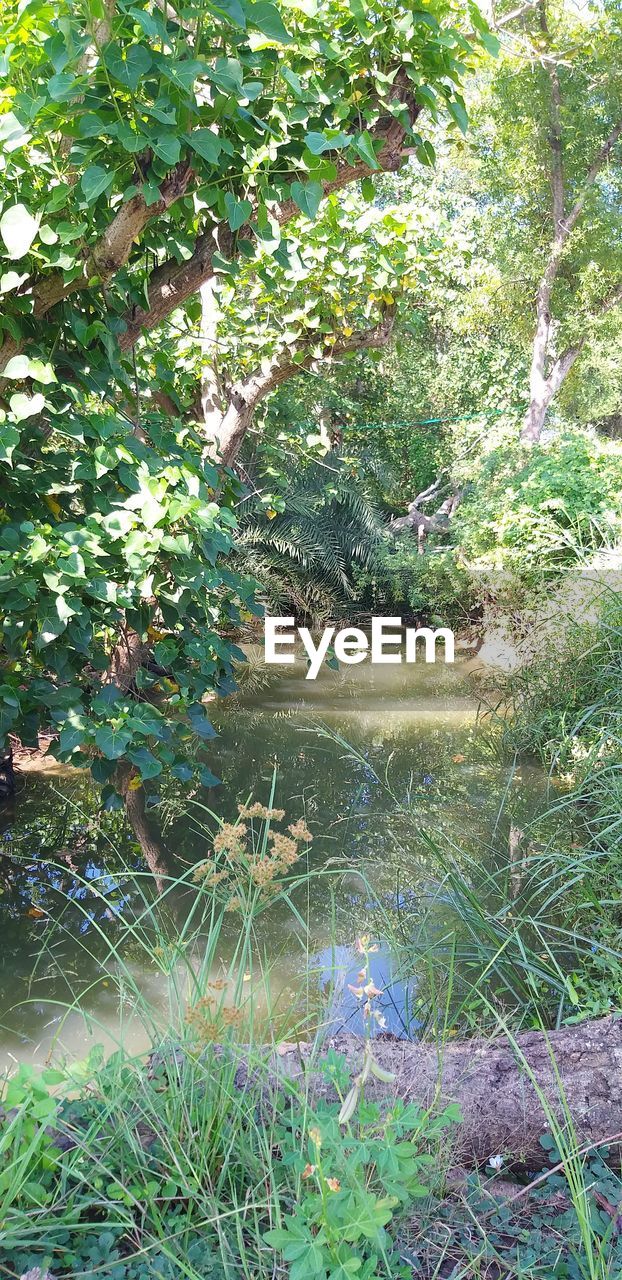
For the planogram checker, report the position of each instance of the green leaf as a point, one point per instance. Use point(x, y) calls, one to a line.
point(232, 9)
point(151, 192)
point(9, 438)
point(18, 367)
point(130, 141)
point(18, 230)
point(39, 371)
point(308, 197)
point(364, 146)
point(47, 235)
point(368, 190)
point(131, 69)
point(267, 19)
point(12, 133)
point(457, 111)
point(207, 778)
point(23, 406)
point(94, 181)
point(150, 23)
point(63, 87)
point(72, 734)
point(182, 771)
point(112, 742)
point(145, 761)
point(293, 81)
point(206, 144)
point(90, 125)
point(490, 43)
point(200, 722)
point(227, 75)
point(50, 628)
point(426, 154)
point(238, 211)
point(318, 143)
point(167, 147)
point(64, 610)
point(11, 280)
point(183, 73)
point(425, 94)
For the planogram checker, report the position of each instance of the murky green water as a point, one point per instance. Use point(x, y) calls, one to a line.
point(421, 765)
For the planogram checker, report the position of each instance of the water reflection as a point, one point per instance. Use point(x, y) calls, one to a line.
point(419, 764)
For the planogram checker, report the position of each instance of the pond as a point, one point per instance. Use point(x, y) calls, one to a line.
point(379, 760)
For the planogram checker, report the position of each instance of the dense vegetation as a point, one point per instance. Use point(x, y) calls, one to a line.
point(312, 309)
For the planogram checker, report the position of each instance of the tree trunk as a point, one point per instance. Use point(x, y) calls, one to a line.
point(544, 389)
point(494, 1084)
point(150, 846)
point(539, 391)
point(227, 440)
point(126, 659)
point(535, 419)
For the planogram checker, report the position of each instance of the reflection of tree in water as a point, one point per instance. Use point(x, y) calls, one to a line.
point(64, 875)
point(71, 874)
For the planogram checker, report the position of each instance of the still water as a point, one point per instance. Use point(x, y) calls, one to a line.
point(377, 759)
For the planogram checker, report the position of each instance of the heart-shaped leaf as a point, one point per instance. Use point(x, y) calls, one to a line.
point(206, 144)
point(308, 196)
point(129, 70)
point(238, 211)
point(94, 181)
point(18, 229)
point(23, 406)
point(267, 19)
point(364, 146)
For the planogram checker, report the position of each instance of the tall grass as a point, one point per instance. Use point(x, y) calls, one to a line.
point(171, 1163)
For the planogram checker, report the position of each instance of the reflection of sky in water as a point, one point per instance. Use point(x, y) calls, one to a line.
point(417, 724)
point(336, 969)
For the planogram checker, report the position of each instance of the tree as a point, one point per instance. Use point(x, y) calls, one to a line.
point(549, 149)
point(147, 149)
point(335, 290)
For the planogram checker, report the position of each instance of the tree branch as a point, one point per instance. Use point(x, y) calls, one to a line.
point(595, 168)
point(106, 257)
point(248, 393)
point(520, 12)
point(172, 282)
point(438, 522)
point(562, 365)
point(555, 134)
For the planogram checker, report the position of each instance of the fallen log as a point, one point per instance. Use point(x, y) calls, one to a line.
point(502, 1092)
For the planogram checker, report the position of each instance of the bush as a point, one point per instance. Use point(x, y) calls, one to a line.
point(542, 508)
point(150, 1171)
point(431, 586)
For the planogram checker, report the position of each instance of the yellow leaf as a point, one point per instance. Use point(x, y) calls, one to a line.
point(135, 784)
point(347, 333)
point(52, 505)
